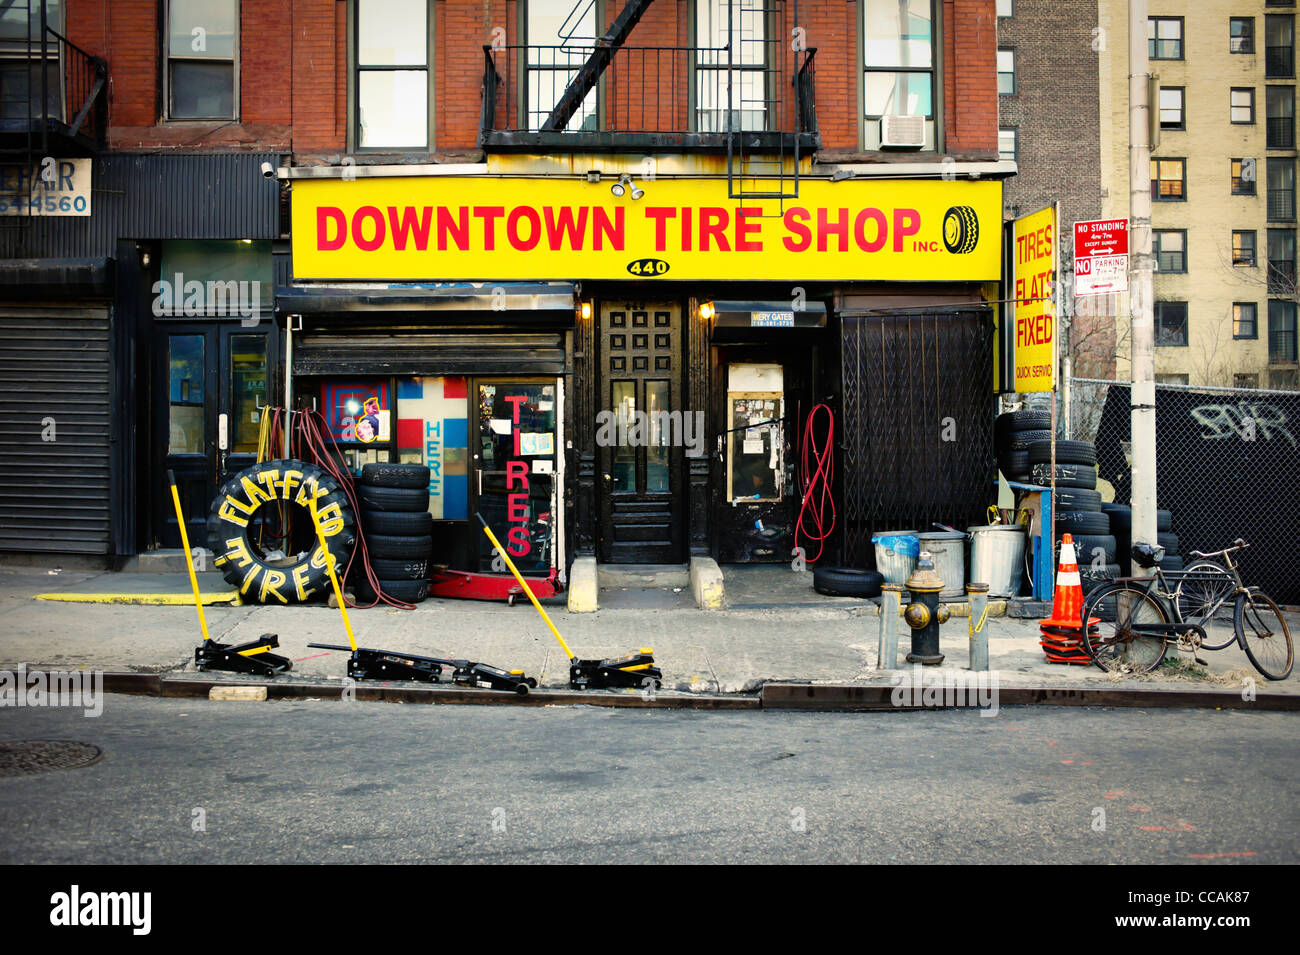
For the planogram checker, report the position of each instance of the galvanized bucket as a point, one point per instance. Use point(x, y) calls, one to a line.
point(948, 548)
point(997, 554)
point(896, 553)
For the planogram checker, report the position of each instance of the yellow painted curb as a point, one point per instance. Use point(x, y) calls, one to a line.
point(153, 600)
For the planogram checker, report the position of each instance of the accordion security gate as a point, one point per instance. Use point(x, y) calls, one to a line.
point(1227, 466)
point(917, 437)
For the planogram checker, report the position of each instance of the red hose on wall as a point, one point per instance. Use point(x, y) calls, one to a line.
point(816, 474)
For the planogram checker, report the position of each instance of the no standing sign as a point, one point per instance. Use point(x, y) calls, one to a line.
point(1100, 256)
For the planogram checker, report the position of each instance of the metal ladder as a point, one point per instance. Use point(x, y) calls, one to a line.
point(757, 34)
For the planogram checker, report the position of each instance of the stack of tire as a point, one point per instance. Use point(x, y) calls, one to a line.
point(1078, 507)
point(398, 529)
point(1013, 433)
point(1121, 525)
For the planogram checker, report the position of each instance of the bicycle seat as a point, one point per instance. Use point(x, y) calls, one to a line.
point(1147, 555)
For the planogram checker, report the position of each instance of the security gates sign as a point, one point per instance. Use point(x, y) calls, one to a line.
point(1033, 255)
point(505, 229)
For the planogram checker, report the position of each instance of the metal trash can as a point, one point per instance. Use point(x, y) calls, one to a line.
point(896, 553)
point(948, 548)
point(997, 555)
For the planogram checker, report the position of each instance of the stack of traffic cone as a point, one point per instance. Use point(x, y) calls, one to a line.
point(1062, 632)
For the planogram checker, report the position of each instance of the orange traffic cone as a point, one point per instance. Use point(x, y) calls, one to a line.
point(1062, 632)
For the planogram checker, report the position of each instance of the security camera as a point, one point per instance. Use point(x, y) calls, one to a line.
point(268, 171)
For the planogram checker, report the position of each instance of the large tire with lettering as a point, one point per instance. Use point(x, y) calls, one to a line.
point(261, 534)
point(961, 230)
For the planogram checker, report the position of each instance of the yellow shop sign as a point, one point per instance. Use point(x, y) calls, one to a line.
point(439, 228)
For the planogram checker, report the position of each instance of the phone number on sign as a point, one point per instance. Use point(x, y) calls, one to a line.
point(36, 205)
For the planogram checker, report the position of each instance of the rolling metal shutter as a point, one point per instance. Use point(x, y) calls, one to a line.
point(459, 351)
point(54, 364)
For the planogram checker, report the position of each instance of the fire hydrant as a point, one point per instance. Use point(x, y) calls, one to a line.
point(925, 612)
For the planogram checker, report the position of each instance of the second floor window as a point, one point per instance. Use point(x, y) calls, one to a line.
point(744, 25)
point(392, 75)
point(898, 80)
point(202, 75)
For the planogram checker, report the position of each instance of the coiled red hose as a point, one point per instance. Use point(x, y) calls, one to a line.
point(816, 474)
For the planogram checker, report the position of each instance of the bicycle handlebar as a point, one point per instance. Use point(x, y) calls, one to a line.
point(1238, 544)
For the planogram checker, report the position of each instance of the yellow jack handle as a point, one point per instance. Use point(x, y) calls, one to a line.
point(528, 590)
point(189, 561)
point(330, 564)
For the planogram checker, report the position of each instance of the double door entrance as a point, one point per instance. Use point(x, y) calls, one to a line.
point(639, 433)
point(209, 386)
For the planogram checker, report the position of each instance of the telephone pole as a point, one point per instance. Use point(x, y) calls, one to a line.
point(1142, 393)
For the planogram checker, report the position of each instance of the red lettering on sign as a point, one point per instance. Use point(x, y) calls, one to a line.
point(408, 223)
point(324, 216)
point(605, 229)
point(519, 545)
point(713, 225)
point(358, 228)
point(745, 229)
point(518, 242)
point(489, 215)
point(840, 228)
point(906, 222)
point(561, 224)
point(798, 228)
point(459, 230)
point(516, 471)
point(661, 215)
point(517, 507)
point(860, 230)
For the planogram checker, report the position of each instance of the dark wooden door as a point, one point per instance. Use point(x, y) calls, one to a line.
point(639, 433)
point(210, 386)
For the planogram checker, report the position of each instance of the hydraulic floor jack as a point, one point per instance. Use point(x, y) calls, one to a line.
point(636, 669)
point(254, 657)
point(369, 664)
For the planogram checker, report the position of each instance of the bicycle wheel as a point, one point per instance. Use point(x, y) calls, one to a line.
point(1263, 634)
point(1203, 585)
point(1117, 647)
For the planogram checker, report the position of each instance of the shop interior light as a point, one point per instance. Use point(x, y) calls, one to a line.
point(706, 310)
point(586, 310)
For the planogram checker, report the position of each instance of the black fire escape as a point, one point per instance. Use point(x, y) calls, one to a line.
point(750, 98)
point(53, 102)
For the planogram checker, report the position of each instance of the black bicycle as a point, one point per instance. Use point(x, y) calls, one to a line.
point(1129, 624)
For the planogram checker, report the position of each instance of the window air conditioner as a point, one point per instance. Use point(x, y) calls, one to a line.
point(902, 132)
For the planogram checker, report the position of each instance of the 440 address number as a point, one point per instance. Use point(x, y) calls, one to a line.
point(648, 268)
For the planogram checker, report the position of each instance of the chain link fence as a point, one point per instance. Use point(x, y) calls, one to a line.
point(1227, 466)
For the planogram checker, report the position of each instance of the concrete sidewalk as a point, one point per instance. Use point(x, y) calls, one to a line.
point(730, 651)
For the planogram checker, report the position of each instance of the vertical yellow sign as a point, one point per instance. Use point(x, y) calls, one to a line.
point(1035, 259)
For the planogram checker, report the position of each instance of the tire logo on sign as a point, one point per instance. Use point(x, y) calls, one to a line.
point(961, 230)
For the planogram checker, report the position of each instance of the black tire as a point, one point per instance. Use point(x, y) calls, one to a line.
point(1171, 562)
point(397, 523)
point(408, 591)
point(1114, 646)
point(392, 498)
point(395, 475)
point(413, 568)
point(1263, 634)
point(1169, 542)
point(1164, 520)
point(1027, 420)
point(1021, 440)
point(1014, 462)
point(1067, 452)
point(255, 494)
point(1080, 499)
point(847, 582)
point(1067, 475)
point(1085, 549)
point(1019, 478)
point(385, 546)
point(961, 230)
point(1082, 522)
point(1092, 578)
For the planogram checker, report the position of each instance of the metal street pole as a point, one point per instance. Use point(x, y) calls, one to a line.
point(1142, 394)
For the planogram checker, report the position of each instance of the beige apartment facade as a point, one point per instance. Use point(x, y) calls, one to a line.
point(1223, 186)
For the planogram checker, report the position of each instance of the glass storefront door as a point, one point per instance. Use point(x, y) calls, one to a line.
point(515, 452)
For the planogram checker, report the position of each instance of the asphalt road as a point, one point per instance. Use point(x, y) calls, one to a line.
point(370, 782)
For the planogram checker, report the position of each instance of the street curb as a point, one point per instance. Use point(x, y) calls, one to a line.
point(772, 696)
point(197, 687)
point(879, 696)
